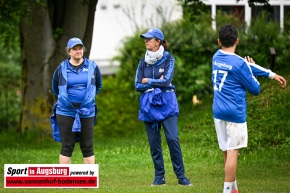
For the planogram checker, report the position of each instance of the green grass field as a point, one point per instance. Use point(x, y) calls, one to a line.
point(126, 166)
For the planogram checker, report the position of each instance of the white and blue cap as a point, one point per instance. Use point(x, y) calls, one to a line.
point(153, 33)
point(73, 42)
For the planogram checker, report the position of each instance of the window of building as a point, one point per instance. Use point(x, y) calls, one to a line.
point(274, 15)
point(287, 18)
point(235, 15)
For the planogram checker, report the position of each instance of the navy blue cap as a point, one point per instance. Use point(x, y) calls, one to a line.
point(73, 42)
point(153, 33)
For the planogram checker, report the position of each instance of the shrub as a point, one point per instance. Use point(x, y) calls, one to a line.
point(256, 43)
point(10, 78)
point(117, 111)
point(268, 115)
point(9, 95)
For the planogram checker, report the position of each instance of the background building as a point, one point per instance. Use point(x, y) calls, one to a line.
point(242, 9)
point(116, 19)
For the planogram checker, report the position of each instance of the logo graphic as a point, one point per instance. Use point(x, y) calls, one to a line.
point(75, 39)
point(51, 176)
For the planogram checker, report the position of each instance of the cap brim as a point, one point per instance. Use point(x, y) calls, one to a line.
point(146, 36)
point(76, 45)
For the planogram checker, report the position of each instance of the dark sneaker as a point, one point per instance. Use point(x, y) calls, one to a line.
point(184, 182)
point(158, 182)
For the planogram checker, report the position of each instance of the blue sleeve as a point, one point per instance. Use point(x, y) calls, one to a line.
point(260, 71)
point(139, 86)
point(98, 75)
point(168, 75)
point(248, 80)
point(55, 80)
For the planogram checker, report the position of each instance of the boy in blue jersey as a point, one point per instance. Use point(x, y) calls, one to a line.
point(232, 76)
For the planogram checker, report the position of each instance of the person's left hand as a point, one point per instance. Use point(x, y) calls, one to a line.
point(281, 80)
point(249, 59)
point(144, 80)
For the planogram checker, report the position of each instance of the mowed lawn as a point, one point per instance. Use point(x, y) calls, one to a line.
point(125, 164)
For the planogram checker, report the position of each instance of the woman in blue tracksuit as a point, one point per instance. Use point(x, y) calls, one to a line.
point(75, 82)
point(158, 104)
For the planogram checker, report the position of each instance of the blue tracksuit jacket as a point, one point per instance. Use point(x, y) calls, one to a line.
point(158, 100)
point(64, 106)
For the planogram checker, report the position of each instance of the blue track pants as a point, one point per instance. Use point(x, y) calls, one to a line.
point(171, 134)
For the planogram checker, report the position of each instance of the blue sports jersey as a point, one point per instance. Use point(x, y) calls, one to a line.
point(77, 81)
point(232, 75)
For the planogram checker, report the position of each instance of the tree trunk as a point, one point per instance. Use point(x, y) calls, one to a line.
point(44, 34)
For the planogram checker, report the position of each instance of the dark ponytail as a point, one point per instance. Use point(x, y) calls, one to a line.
point(165, 45)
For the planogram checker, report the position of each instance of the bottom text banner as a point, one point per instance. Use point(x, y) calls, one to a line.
point(51, 176)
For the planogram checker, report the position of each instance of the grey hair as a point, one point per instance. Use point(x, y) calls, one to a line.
point(67, 49)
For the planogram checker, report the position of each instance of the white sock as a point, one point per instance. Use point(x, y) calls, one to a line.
point(235, 185)
point(228, 187)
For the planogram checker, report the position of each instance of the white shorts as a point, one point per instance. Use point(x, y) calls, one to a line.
point(231, 135)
